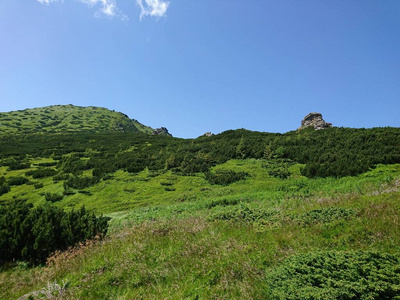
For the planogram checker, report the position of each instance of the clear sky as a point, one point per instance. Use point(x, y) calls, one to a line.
point(199, 65)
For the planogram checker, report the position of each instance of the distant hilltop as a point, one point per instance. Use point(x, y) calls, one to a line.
point(315, 121)
point(70, 118)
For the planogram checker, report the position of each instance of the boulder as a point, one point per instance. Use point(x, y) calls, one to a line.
point(161, 131)
point(314, 120)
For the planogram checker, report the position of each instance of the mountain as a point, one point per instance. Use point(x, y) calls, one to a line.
point(68, 118)
point(308, 214)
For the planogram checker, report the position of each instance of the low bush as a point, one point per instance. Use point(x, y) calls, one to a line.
point(81, 182)
point(41, 173)
point(224, 177)
point(222, 202)
point(50, 197)
point(326, 215)
point(47, 164)
point(282, 173)
point(38, 185)
point(336, 275)
point(4, 189)
point(32, 234)
point(17, 181)
point(60, 177)
point(243, 213)
point(18, 166)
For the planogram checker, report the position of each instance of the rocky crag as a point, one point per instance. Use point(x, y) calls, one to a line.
point(161, 131)
point(315, 121)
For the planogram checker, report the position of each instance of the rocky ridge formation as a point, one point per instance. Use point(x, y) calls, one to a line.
point(314, 120)
point(161, 131)
point(208, 134)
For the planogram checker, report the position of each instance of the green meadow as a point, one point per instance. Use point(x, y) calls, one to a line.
point(181, 237)
point(94, 207)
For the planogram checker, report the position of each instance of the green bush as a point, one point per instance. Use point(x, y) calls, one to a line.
point(33, 234)
point(50, 197)
point(41, 173)
point(47, 164)
point(81, 182)
point(224, 177)
point(222, 202)
point(18, 166)
point(336, 275)
point(282, 173)
point(38, 185)
point(243, 213)
point(4, 189)
point(60, 177)
point(326, 215)
point(17, 181)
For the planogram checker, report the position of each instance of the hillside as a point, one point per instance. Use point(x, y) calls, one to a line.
point(309, 214)
point(68, 118)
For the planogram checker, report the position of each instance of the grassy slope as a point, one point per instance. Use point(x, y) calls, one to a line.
point(68, 118)
point(204, 241)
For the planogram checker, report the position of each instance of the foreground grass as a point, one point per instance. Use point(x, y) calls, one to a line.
point(221, 250)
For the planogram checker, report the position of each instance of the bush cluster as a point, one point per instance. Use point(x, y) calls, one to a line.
point(41, 173)
point(336, 275)
point(224, 177)
point(53, 197)
point(17, 181)
point(32, 234)
point(80, 182)
point(326, 215)
point(334, 152)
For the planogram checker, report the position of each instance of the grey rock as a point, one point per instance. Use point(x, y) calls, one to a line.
point(314, 120)
point(208, 134)
point(161, 131)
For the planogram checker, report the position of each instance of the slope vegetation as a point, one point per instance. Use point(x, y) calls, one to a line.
point(239, 215)
point(68, 118)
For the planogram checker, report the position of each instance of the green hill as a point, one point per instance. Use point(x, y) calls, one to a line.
point(68, 118)
point(310, 214)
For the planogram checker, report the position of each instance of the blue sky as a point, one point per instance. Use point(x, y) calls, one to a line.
point(197, 66)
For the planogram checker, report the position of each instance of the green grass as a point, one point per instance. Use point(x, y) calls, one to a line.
point(125, 191)
point(194, 258)
point(203, 241)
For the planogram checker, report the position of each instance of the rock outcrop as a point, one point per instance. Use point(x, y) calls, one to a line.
point(314, 120)
point(208, 134)
point(161, 131)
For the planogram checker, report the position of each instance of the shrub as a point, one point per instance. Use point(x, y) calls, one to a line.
point(282, 173)
point(222, 202)
point(4, 189)
point(336, 275)
point(81, 182)
point(17, 181)
point(33, 234)
point(41, 173)
point(224, 177)
point(326, 215)
point(60, 177)
point(47, 164)
point(18, 166)
point(38, 185)
point(243, 213)
point(50, 197)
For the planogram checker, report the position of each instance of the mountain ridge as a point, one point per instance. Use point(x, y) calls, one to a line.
point(69, 118)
